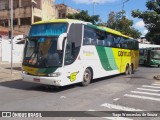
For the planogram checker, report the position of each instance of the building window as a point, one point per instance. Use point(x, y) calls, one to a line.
point(63, 15)
point(26, 21)
point(15, 22)
point(4, 23)
point(38, 4)
point(15, 3)
point(26, 3)
point(4, 4)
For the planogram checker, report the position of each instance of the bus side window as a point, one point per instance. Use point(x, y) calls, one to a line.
point(69, 56)
point(109, 41)
point(141, 52)
point(100, 36)
point(89, 35)
point(123, 43)
point(117, 41)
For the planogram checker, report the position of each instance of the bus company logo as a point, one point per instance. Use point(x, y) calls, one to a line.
point(73, 76)
point(123, 53)
point(6, 114)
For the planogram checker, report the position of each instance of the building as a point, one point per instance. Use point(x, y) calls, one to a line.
point(25, 13)
point(62, 10)
point(143, 40)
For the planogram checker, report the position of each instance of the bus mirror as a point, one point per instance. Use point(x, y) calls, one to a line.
point(60, 41)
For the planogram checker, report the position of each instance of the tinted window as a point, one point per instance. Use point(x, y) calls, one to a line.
point(109, 40)
point(141, 52)
point(89, 36)
point(73, 43)
point(117, 40)
point(123, 43)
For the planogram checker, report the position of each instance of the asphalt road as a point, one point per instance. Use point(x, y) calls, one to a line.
point(136, 92)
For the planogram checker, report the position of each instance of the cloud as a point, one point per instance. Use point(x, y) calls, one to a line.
point(141, 27)
point(139, 24)
point(91, 1)
point(145, 31)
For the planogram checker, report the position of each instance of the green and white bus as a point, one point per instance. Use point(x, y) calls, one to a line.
point(149, 55)
point(61, 52)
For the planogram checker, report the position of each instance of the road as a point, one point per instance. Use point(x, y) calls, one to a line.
point(135, 92)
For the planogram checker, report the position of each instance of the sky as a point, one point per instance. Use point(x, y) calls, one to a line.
point(103, 8)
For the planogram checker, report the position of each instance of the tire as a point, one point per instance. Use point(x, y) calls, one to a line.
point(87, 77)
point(127, 70)
point(130, 69)
point(145, 63)
point(158, 66)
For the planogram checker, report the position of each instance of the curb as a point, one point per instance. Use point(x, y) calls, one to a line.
point(157, 77)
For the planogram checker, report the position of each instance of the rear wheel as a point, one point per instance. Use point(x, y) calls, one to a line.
point(130, 69)
point(127, 70)
point(87, 77)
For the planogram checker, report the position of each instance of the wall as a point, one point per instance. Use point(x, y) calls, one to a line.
point(17, 50)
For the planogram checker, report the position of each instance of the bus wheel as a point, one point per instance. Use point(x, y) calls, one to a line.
point(87, 77)
point(158, 65)
point(132, 68)
point(127, 70)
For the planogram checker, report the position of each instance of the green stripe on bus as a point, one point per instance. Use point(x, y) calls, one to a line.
point(111, 58)
point(103, 57)
point(47, 70)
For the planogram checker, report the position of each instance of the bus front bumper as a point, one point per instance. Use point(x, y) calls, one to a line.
point(56, 81)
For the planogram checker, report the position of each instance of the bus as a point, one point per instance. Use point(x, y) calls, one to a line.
point(61, 52)
point(149, 55)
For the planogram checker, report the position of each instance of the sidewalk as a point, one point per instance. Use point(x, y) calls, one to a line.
point(5, 71)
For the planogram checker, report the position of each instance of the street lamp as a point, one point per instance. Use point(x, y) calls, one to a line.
point(123, 6)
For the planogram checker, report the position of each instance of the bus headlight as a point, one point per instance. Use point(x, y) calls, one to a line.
point(56, 74)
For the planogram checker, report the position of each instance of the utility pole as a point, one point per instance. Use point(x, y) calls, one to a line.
point(123, 7)
point(11, 3)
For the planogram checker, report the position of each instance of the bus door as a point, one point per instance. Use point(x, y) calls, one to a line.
point(148, 56)
point(72, 65)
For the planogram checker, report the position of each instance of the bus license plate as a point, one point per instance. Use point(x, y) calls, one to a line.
point(36, 80)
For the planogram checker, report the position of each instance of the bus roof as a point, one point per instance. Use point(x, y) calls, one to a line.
point(60, 20)
point(148, 46)
point(87, 23)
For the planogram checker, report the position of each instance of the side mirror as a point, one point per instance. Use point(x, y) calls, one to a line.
point(60, 41)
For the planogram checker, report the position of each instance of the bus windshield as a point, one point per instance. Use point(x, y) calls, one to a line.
point(156, 54)
point(42, 52)
point(49, 29)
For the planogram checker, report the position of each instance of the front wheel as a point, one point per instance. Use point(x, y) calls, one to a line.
point(87, 77)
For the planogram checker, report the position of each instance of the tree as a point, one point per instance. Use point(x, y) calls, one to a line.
point(121, 23)
point(151, 18)
point(83, 15)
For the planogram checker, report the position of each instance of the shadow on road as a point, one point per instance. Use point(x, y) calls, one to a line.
point(148, 66)
point(22, 85)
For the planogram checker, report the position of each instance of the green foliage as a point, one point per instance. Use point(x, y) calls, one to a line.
point(121, 23)
point(83, 15)
point(151, 18)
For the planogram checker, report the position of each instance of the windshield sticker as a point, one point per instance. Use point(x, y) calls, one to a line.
point(73, 76)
